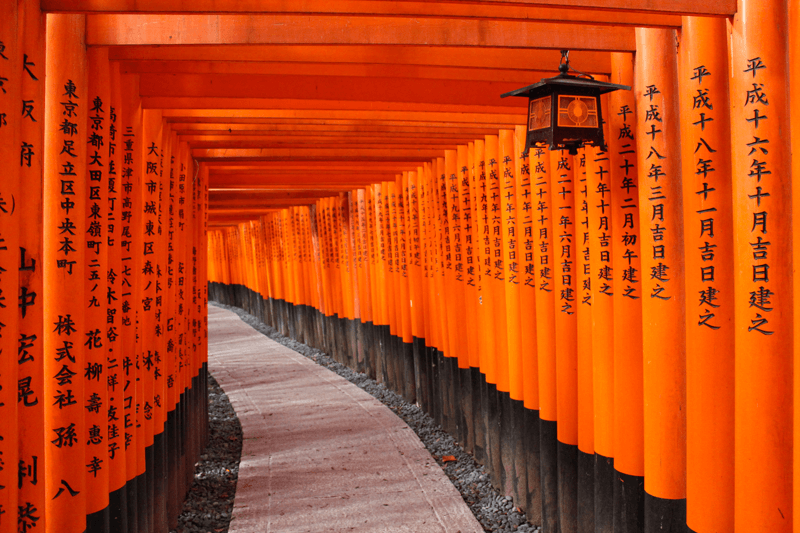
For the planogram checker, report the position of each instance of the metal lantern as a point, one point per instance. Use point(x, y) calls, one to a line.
point(564, 112)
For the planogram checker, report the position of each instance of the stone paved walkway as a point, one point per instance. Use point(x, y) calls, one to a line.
point(319, 453)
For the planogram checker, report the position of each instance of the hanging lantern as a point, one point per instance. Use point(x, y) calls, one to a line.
point(564, 112)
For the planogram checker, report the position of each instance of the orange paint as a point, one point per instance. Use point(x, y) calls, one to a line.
point(12, 217)
point(541, 185)
point(484, 249)
point(627, 445)
point(63, 308)
point(30, 410)
point(461, 200)
point(663, 298)
point(709, 286)
point(131, 194)
point(95, 300)
point(526, 209)
point(495, 267)
point(565, 249)
point(585, 308)
point(511, 260)
point(764, 339)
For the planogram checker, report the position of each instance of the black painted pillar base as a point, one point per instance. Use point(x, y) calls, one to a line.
point(586, 489)
point(409, 385)
point(99, 522)
point(520, 455)
point(132, 498)
point(420, 373)
point(628, 503)
point(144, 521)
point(160, 486)
point(467, 415)
point(493, 429)
point(533, 503)
point(664, 516)
point(568, 487)
point(351, 342)
point(507, 473)
point(603, 494)
point(118, 510)
point(436, 386)
point(548, 442)
point(478, 419)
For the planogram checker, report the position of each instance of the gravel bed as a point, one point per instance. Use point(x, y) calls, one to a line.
point(209, 503)
point(494, 511)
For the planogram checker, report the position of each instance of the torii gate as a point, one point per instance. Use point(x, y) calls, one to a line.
point(347, 157)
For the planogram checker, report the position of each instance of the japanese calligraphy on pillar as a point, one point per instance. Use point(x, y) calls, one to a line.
point(95, 285)
point(150, 273)
point(115, 441)
point(584, 271)
point(29, 351)
point(706, 203)
point(760, 187)
point(599, 220)
point(543, 222)
point(564, 228)
point(625, 200)
point(64, 252)
point(127, 314)
point(11, 212)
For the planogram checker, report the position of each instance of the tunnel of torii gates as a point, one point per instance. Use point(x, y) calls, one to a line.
point(611, 333)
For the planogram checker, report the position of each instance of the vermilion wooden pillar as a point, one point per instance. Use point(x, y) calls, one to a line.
point(147, 305)
point(565, 228)
point(585, 387)
point(526, 271)
point(30, 355)
point(596, 191)
point(526, 209)
point(708, 231)
point(486, 302)
point(12, 210)
point(663, 302)
point(794, 87)
point(116, 351)
point(541, 186)
point(66, 94)
point(466, 172)
point(494, 171)
point(620, 463)
point(510, 259)
point(131, 207)
point(762, 241)
point(511, 409)
point(95, 371)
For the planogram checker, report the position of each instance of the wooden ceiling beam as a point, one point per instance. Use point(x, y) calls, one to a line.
point(349, 70)
point(333, 90)
point(473, 58)
point(368, 116)
point(385, 138)
point(311, 154)
point(319, 166)
point(548, 9)
point(321, 130)
point(321, 106)
point(173, 30)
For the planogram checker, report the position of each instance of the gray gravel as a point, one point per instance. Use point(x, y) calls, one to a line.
point(494, 511)
point(209, 503)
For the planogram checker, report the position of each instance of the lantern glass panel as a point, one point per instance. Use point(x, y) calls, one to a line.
point(539, 113)
point(577, 111)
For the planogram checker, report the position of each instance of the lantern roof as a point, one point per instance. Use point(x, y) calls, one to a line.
point(545, 86)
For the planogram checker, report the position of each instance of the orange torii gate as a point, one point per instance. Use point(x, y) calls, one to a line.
point(612, 334)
